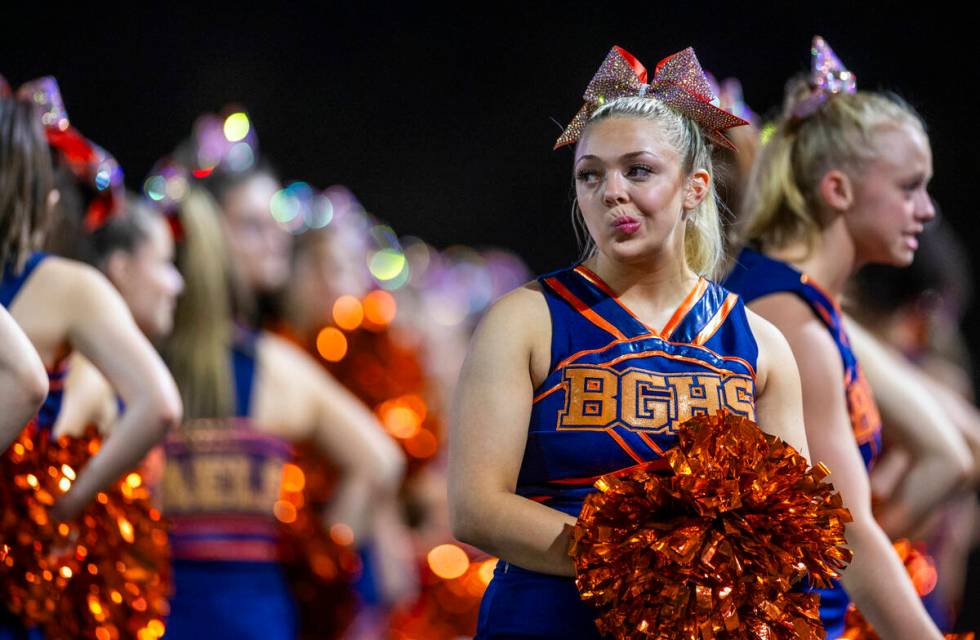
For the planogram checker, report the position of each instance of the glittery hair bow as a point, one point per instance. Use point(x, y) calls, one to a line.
point(678, 82)
point(828, 77)
point(92, 166)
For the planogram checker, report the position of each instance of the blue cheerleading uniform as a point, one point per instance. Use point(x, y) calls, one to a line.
point(221, 483)
point(616, 392)
point(11, 284)
point(756, 275)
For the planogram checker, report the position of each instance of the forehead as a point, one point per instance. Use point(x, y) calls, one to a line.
point(903, 148)
point(612, 137)
point(251, 196)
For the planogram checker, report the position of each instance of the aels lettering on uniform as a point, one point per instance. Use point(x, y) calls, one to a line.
point(221, 482)
point(599, 398)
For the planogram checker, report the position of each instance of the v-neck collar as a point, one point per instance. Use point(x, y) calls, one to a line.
point(675, 319)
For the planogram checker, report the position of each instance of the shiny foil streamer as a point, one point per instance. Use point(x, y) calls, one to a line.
point(921, 569)
point(707, 542)
point(104, 574)
point(678, 81)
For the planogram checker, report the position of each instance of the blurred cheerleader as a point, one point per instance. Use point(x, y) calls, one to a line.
point(841, 183)
point(248, 396)
point(63, 306)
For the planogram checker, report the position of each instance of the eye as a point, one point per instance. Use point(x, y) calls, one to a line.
point(587, 175)
point(639, 171)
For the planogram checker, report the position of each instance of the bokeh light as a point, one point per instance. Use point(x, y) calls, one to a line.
point(331, 344)
point(236, 127)
point(348, 313)
point(380, 308)
point(387, 264)
point(448, 561)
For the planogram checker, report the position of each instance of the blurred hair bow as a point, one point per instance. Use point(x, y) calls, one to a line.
point(678, 82)
point(828, 77)
point(95, 169)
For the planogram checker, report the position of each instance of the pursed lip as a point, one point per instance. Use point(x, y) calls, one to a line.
point(621, 221)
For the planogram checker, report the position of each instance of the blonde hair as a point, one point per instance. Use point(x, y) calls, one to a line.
point(197, 351)
point(704, 247)
point(782, 200)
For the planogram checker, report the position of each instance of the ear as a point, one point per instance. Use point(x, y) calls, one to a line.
point(697, 189)
point(836, 190)
point(117, 267)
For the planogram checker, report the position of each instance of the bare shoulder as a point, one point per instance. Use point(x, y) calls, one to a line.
point(283, 356)
point(517, 327)
point(73, 285)
point(810, 342)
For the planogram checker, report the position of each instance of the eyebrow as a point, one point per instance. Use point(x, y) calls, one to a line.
point(625, 156)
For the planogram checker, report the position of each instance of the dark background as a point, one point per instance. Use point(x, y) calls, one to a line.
point(442, 120)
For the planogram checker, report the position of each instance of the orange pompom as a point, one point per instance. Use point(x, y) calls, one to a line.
point(708, 541)
point(107, 571)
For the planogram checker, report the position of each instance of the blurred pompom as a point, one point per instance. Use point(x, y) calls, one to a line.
point(708, 541)
point(103, 575)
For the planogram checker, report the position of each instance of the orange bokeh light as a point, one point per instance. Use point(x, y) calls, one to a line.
point(342, 534)
point(284, 511)
point(331, 344)
point(448, 561)
point(380, 308)
point(293, 478)
point(423, 445)
point(348, 313)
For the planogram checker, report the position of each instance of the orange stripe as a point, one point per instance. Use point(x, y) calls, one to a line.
point(584, 309)
point(649, 442)
point(719, 319)
point(682, 310)
point(805, 279)
point(588, 351)
point(545, 394)
point(591, 276)
point(622, 444)
point(568, 360)
point(670, 356)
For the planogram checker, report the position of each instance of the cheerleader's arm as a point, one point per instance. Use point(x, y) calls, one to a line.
point(876, 580)
point(23, 381)
point(489, 428)
point(939, 457)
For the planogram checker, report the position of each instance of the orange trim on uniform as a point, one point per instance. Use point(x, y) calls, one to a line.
point(717, 320)
point(670, 356)
point(622, 445)
point(679, 314)
point(545, 394)
point(650, 442)
point(584, 352)
point(584, 309)
point(685, 307)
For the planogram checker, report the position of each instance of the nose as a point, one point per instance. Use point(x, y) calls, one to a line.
point(614, 189)
point(926, 209)
point(177, 281)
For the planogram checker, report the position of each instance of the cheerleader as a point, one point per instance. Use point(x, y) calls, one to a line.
point(249, 396)
point(841, 183)
point(592, 368)
point(63, 306)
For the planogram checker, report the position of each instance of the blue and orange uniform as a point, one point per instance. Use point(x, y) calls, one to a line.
point(756, 275)
point(11, 284)
point(615, 395)
point(221, 484)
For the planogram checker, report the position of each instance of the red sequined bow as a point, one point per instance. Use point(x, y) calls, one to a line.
point(678, 81)
point(92, 166)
